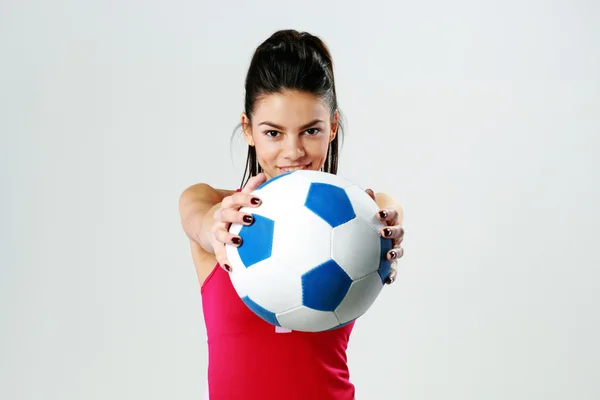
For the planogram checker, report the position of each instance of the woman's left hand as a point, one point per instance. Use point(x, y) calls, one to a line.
point(393, 231)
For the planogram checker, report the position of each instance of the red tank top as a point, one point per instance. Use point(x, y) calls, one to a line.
point(248, 359)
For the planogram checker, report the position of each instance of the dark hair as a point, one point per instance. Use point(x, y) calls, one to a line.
point(295, 61)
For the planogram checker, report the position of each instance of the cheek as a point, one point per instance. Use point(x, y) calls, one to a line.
point(265, 149)
point(318, 148)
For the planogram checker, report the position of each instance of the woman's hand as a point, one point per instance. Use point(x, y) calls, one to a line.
point(229, 214)
point(392, 216)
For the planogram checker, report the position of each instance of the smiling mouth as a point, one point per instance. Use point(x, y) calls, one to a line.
point(293, 168)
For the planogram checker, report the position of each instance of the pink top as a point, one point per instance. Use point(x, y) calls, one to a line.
point(249, 359)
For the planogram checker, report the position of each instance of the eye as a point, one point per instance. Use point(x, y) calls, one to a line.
point(272, 133)
point(312, 131)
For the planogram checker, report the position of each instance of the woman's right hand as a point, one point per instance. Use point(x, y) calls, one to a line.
point(229, 213)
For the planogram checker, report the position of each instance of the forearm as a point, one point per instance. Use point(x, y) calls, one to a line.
point(198, 223)
point(197, 206)
point(204, 230)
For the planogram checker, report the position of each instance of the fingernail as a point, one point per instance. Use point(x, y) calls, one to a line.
point(255, 201)
point(393, 254)
point(382, 214)
point(227, 267)
point(248, 219)
point(236, 240)
point(387, 232)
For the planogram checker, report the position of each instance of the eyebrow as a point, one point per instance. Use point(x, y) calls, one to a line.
point(311, 123)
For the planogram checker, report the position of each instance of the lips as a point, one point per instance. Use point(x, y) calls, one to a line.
point(292, 168)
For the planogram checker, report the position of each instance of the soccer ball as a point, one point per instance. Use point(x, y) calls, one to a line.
point(314, 258)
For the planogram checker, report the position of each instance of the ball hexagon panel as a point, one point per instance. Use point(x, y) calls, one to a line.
point(364, 207)
point(361, 295)
point(356, 248)
point(329, 202)
point(273, 285)
point(384, 264)
point(257, 240)
point(302, 239)
point(305, 319)
point(324, 287)
point(324, 177)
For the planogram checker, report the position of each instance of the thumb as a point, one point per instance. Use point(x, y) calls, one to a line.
point(371, 193)
point(254, 182)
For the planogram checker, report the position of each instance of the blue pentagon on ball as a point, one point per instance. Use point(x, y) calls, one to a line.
point(325, 286)
point(329, 202)
point(257, 240)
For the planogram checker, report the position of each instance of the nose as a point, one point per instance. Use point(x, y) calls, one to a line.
point(293, 148)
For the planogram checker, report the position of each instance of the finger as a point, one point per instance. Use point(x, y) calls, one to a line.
point(395, 254)
point(230, 216)
point(371, 193)
point(254, 183)
point(221, 256)
point(392, 232)
point(222, 235)
point(398, 242)
point(388, 215)
point(239, 200)
point(392, 275)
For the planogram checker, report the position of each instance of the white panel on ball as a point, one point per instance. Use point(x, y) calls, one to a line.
point(238, 273)
point(308, 320)
point(320, 177)
point(356, 248)
point(278, 198)
point(284, 193)
point(360, 297)
point(365, 207)
point(273, 285)
point(302, 239)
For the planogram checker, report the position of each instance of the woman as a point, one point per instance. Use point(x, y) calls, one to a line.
point(291, 121)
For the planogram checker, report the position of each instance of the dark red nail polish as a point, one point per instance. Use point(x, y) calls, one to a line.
point(393, 254)
point(227, 267)
point(255, 201)
point(382, 214)
point(236, 240)
point(387, 232)
point(248, 219)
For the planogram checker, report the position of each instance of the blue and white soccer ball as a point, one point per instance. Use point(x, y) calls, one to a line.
point(314, 258)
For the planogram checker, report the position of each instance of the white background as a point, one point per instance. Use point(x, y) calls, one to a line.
point(481, 117)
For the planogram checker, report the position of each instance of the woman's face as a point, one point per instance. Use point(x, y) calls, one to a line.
point(290, 130)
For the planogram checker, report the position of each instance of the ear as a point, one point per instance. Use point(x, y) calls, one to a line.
point(334, 126)
point(247, 130)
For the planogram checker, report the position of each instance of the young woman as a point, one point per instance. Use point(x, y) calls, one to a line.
point(291, 121)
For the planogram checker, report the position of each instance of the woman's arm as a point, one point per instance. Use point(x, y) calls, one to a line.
point(197, 205)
